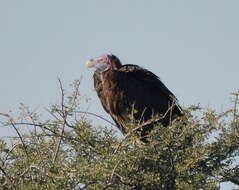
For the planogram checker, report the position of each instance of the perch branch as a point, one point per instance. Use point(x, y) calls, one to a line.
point(63, 126)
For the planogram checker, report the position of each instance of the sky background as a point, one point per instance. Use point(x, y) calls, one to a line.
point(193, 46)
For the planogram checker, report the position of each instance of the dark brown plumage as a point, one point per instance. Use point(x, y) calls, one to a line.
point(123, 87)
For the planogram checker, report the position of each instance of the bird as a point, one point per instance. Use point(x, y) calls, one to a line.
point(131, 92)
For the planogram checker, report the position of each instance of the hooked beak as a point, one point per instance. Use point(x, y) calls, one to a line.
point(90, 63)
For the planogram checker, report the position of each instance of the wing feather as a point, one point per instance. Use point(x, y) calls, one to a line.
point(132, 85)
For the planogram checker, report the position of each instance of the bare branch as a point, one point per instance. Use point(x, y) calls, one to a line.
point(64, 115)
point(8, 177)
point(8, 153)
point(20, 136)
point(18, 133)
point(113, 171)
point(62, 94)
point(93, 114)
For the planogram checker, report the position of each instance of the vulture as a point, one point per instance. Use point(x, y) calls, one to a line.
point(131, 92)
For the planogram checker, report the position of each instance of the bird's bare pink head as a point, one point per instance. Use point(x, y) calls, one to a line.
point(105, 63)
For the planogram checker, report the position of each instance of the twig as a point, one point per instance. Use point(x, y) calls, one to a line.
point(75, 94)
point(141, 126)
point(235, 106)
point(53, 115)
point(63, 126)
point(8, 153)
point(90, 113)
point(18, 133)
point(5, 115)
point(113, 171)
point(41, 125)
point(8, 177)
point(62, 94)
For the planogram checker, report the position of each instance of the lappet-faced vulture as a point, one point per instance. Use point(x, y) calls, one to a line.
point(122, 88)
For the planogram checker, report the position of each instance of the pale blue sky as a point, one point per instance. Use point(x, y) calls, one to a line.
point(193, 46)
